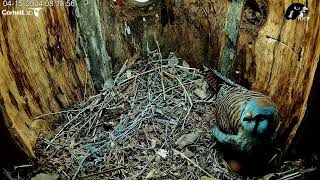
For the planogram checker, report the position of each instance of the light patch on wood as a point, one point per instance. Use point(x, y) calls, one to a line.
point(39, 70)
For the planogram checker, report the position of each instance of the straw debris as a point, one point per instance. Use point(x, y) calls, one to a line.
point(154, 122)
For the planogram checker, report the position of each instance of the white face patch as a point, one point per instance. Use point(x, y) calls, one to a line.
point(290, 15)
point(300, 17)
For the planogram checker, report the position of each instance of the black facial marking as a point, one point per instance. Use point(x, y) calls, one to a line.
point(248, 119)
point(294, 10)
point(261, 117)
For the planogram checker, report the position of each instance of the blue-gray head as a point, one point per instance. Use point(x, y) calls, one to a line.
point(258, 116)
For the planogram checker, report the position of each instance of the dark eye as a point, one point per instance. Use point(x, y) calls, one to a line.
point(296, 8)
point(262, 117)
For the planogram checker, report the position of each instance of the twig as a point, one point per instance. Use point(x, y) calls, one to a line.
point(146, 72)
point(200, 168)
point(189, 98)
point(67, 111)
point(135, 122)
point(290, 176)
point(297, 174)
point(22, 166)
point(79, 167)
point(123, 68)
point(7, 174)
point(161, 71)
point(102, 172)
point(67, 124)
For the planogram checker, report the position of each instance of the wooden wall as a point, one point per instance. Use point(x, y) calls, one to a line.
point(41, 70)
point(195, 34)
point(282, 58)
point(271, 54)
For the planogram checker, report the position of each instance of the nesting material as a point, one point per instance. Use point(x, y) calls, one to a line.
point(152, 124)
point(142, 127)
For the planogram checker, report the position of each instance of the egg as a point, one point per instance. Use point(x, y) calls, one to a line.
point(236, 166)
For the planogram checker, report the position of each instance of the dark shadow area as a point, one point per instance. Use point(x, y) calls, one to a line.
point(306, 143)
point(10, 154)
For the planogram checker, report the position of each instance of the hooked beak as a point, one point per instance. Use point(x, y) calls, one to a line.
point(305, 9)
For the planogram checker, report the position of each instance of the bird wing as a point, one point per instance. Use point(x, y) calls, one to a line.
point(230, 104)
point(230, 101)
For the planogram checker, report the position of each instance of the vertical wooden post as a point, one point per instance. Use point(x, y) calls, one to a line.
point(231, 29)
point(98, 60)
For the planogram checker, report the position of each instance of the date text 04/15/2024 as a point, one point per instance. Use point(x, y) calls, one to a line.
point(37, 3)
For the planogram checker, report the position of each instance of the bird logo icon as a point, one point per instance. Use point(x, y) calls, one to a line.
point(36, 11)
point(297, 11)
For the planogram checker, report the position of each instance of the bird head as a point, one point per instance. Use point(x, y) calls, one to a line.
point(258, 115)
point(300, 7)
point(294, 10)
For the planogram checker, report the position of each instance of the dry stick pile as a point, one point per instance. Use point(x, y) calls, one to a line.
point(154, 122)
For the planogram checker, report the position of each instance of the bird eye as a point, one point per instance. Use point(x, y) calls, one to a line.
point(296, 8)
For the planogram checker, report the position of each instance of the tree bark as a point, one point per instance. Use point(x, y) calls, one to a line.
point(42, 71)
point(280, 59)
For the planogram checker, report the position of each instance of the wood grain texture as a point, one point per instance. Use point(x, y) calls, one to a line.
point(98, 60)
point(280, 59)
point(41, 70)
point(196, 33)
point(275, 56)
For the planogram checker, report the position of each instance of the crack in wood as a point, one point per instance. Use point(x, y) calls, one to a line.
point(272, 65)
point(283, 43)
point(300, 55)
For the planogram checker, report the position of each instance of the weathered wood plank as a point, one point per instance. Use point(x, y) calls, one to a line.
point(281, 58)
point(41, 70)
point(99, 62)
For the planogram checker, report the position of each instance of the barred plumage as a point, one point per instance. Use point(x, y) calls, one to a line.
point(244, 118)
